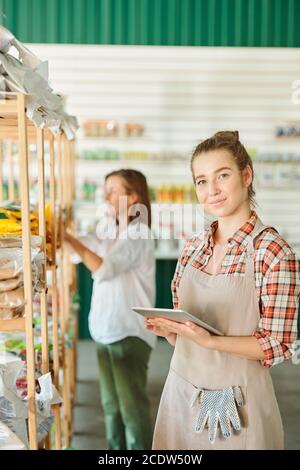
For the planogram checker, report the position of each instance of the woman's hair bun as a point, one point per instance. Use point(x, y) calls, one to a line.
point(227, 135)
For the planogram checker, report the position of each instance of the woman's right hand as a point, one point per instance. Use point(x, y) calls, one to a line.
point(158, 331)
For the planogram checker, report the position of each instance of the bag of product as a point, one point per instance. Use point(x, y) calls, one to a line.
point(12, 299)
point(11, 261)
point(9, 440)
point(37, 265)
point(13, 400)
point(16, 242)
point(10, 313)
point(10, 284)
point(11, 222)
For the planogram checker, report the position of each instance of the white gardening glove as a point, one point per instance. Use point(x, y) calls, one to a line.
point(219, 406)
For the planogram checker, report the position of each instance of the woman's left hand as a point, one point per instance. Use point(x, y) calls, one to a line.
point(189, 330)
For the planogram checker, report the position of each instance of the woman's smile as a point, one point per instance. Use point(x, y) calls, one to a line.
point(217, 203)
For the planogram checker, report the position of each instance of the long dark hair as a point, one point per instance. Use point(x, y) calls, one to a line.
point(135, 182)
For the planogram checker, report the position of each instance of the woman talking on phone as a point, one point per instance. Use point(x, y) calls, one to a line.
point(241, 277)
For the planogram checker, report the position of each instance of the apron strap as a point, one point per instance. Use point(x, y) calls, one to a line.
point(250, 254)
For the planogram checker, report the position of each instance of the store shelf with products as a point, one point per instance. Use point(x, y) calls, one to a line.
point(270, 172)
point(106, 146)
point(28, 240)
point(14, 125)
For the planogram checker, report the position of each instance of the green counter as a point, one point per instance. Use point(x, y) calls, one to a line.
point(164, 274)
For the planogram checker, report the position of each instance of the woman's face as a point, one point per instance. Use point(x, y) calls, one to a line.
point(117, 197)
point(220, 186)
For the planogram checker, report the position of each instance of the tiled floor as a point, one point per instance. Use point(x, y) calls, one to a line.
point(89, 427)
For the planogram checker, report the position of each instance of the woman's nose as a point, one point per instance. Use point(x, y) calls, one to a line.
point(213, 188)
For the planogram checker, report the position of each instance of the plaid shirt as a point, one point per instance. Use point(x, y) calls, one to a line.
point(277, 282)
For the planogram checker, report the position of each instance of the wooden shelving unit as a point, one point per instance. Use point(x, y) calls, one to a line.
point(16, 129)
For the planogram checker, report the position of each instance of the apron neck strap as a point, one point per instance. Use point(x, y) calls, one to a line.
point(250, 253)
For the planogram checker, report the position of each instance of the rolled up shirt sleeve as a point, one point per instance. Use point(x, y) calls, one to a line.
point(91, 242)
point(125, 255)
point(277, 329)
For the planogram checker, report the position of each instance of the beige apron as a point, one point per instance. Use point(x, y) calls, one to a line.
point(230, 304)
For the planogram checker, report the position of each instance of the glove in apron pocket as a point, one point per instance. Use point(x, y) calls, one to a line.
point(220, 417)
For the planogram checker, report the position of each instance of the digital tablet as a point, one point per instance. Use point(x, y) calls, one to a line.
point(180, 316)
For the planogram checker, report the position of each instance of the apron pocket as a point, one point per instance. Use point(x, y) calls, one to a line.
point(220, 417)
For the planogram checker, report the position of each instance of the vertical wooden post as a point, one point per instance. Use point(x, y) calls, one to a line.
point(72, 198)
point(67, 270)
point(11, 182)
point(62, 183)
point(73, 285)
point(25, 207)
point(55, 323)
point(42, 233)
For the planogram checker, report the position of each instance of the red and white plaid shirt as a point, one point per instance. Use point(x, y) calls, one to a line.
point(277, 282)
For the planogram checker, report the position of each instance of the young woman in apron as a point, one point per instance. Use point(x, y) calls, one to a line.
point(241, 277)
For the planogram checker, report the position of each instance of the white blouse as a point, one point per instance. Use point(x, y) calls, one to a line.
point(125, 279)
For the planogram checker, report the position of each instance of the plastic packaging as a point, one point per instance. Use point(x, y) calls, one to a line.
point(10, 284)
point(9, 440)
point(100, 128)
point(11, 261)
point(12, 299)
point(16, 242)
point(29, 75)
point(133, 129)
point(13, 400)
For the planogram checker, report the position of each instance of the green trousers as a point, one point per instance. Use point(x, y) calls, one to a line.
point(123, 370)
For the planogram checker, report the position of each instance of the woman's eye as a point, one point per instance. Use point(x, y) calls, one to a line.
point(224, 175)
point(200, 182)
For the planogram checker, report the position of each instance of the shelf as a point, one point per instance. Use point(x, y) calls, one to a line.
point(15, 324)
point(116, 139)
point(162, 161)
point(14, 125)
point(92, 205)
point(163, 171)
point(134, 144)
point(169, 144)
point(8, 107)
point(9, 123)
point(129, 161)
point(166, 161)
point(288, 139)
point(177, 172)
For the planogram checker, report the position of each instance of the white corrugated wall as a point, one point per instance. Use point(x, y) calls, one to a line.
point(182, 95)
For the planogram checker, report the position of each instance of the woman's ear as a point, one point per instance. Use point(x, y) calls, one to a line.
point(247, 176)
